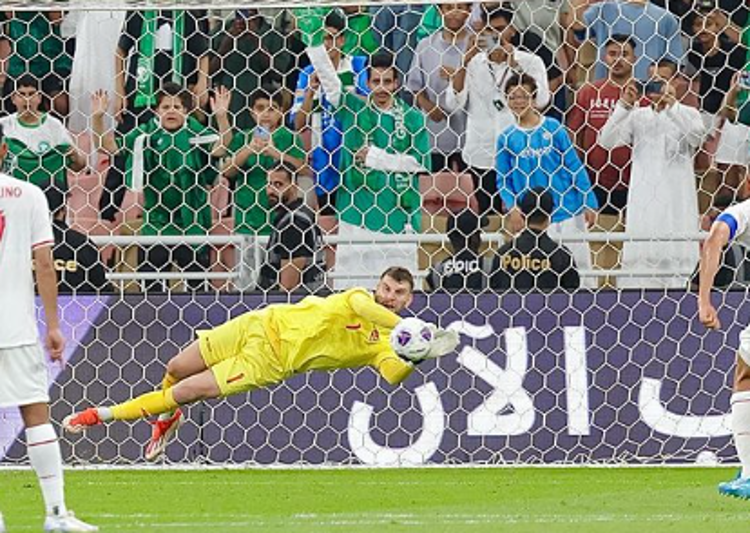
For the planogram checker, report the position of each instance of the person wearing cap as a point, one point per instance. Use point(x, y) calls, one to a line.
point(75, 257)
point(532, 260)
point(466, 269)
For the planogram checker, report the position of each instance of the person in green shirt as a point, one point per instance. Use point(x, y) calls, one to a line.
point(40, 148)
point(386, 147)
point(171, 159)
point(254, 153)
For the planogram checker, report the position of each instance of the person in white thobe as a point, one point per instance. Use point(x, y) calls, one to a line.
point(663, 198)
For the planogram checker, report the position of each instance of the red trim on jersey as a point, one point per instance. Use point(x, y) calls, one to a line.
point(43, 243)
point(32, 444)
point(353, 326)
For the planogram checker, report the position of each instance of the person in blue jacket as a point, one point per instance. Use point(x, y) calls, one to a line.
point(537, 152)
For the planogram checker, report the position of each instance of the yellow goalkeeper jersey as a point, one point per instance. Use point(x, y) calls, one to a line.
point(344, 330)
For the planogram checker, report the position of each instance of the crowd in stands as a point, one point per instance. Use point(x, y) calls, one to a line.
point(537, 121)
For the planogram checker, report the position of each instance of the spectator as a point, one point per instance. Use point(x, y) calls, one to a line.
point(656, 32)
point(255, 152)
point(76, 258)
point(170, 161)
point(537, 152)
point(360, 38)
point(662, 198)
point(480, 89)
point(40, 149)
point(466, 269)
point(295, 252)
point(435, 60)
point(609, 171)
point(156, 46)
point(312, 109)
point(386, 148)
point(595, 102)
point(396, 30)
point(502, 16)
point(37, 48)
point(532, 260)
point(247, 53)
point(716, 59)
point(731, 15)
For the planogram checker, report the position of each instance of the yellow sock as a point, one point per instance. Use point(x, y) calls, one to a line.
point(168, 381)
point(149, 404)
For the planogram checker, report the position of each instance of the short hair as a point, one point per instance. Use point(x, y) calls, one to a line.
point(516, 80)
point(383, 59)
point(669, 64)
point(27, 80)
point(400, 275)
point(497, 10)
point(286, 168)
point(172, 89)
point(464, 232)
point(335, 20)
point(537, 205)
point(265, 94)
point(621, 39)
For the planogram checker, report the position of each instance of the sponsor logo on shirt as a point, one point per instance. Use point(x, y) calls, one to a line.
point(374, 336)
point(535, 152)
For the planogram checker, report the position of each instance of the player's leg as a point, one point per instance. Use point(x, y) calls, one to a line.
point(23, 384)
point(185, 364)
point(46, 460)
point(740, 487)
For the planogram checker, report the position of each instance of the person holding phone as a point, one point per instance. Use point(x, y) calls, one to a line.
point(478, 86)
point(664, 135)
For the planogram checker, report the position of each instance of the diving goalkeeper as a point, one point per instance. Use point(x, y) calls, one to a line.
point(264, 347)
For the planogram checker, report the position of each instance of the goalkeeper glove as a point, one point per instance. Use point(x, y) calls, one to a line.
point(443, 342)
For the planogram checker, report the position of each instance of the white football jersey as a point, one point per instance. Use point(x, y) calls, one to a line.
point(24, 225)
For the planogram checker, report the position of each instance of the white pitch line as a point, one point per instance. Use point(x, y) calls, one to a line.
point(315, 521)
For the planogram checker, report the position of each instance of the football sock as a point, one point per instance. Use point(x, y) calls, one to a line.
point(168, 381)
point(149, 404)
point(45, 458)
point(741, 429)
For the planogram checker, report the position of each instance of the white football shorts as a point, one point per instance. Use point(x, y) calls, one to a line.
point(23, 376)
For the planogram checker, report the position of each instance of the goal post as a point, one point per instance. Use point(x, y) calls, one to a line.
point(445, 120)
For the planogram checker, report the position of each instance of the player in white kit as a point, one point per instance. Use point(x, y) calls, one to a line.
point(732, 225)
point(26, 236)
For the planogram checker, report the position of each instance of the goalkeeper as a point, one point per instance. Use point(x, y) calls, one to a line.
point(264, 347)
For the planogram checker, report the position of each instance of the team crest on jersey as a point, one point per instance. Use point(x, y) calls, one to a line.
point(374, 336)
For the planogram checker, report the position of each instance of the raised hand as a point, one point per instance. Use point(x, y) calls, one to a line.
point(99, 102)
point(220, 101)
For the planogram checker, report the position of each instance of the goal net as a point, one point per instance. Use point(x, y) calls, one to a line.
point(546, 169)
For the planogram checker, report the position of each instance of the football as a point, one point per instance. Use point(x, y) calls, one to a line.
point(411, 339)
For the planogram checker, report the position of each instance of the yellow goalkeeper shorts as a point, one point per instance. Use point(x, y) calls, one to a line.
point(240, 355)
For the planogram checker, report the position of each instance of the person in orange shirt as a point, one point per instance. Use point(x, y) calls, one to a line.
point(264, 347)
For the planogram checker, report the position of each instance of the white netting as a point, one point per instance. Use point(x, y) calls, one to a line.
point(408, 135)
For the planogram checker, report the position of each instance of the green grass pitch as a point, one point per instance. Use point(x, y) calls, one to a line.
point(455, 500)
